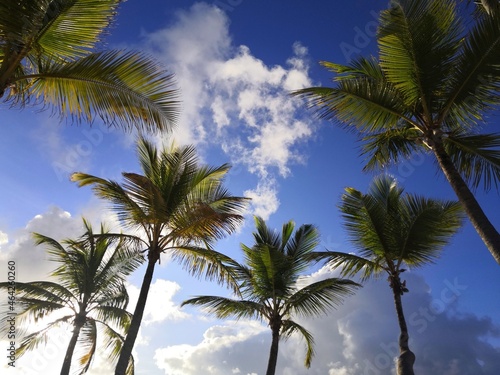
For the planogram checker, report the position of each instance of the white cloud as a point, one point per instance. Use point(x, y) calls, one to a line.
point(264, 199)
point(232, 99)
point(4, 238)
point(159, 306)
point(223, 350)
point(358, 338)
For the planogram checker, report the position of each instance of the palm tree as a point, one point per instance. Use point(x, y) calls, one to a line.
point(429, 91)
point(89, 291)
point(181, 208)
point(267, 286)
point(48, 55)
point(392, 231)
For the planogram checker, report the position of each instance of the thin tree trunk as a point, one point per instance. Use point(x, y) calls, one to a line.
point(273, 353)
point(79, 322)
point(128, 345)
point(406, 356)
point(481, 223)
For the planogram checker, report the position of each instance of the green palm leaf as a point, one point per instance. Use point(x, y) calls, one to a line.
point(477, 157)
point(290, 327)
point(267, 283)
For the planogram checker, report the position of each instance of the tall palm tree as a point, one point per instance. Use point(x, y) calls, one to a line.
point(268, 290)
point(89, 290)
point(180, 206)
point(392, 231)
point(429, 91)
point(48, 55)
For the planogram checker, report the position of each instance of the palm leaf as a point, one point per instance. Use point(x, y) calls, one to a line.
point(88, 342)
point(289, 327)
point(390, 147)
point(477, 157)
point(474, 82)
point(118, 86)
point(417, 42)
point(320, 296)
point(224, 307)
point(41, 337)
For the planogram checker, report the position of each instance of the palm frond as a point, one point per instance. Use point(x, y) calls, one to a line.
point(417, 43)
point(350, 264)
point(206, 262)
point(87, 341)
point(289, 327)
point(317, 297)
point(41, 337)
point(475, 80)
point(477, 157)
point(223, 307)
point(430, 226)
point(361, 104)
point(124, 89)
point(390, 147)
point(113, 342)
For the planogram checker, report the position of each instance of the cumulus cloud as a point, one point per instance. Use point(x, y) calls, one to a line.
point(358, 338)
point(264, 199)
point(232, 99)
point(159, 306)
point(224, 349)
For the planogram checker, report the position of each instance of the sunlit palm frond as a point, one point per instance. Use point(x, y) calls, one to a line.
point(87, 341)
point(63, 28)
point(362, 104)
point(206, 262)
point(361, 67)
point(41, 337)
point(124, 89)
point(409, 30)
point(112, 343)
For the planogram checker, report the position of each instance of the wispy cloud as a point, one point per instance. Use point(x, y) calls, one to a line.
point(233, 100)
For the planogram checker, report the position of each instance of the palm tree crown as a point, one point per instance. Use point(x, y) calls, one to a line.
point(179, 207)
point(48, 55)
point(89, 289)
point(391, 231)
point(429, 91)
point(267, 285)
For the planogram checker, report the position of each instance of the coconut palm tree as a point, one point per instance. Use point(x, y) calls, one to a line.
point(88, 289)
point(268, 289)
point(429, 91)
point(49, 56)
point(392, 231)
point(181, 208)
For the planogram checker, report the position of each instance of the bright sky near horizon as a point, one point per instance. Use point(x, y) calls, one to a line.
point(235, 62)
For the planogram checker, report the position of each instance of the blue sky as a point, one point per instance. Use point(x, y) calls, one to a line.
point(235, 61)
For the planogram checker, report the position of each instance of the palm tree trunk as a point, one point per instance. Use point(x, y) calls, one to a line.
point(79, 322)
point(481, 223)
point(128, 345)
point(273, 353)
point(406, 356)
